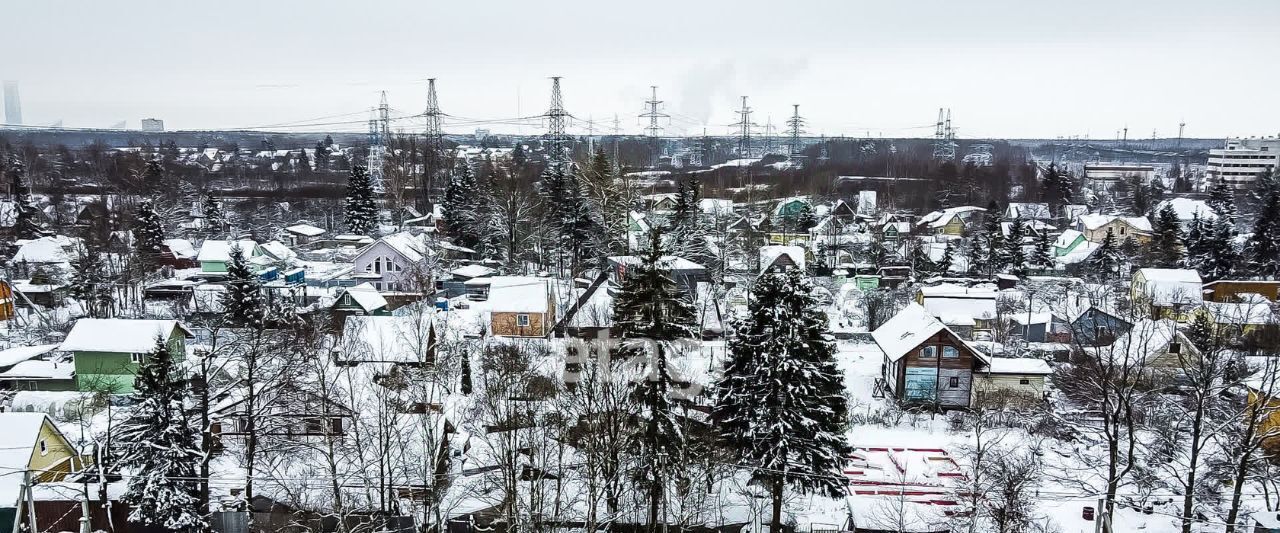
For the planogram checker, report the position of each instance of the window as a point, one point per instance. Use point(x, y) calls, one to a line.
point(1122, 230)
point(950, 352)
point(953, 383)
point(44, 447)
point(1024, 381)
point(377, 266)
point(1175, 347)
point(928, 352)
point(135, 358)
point(522, 320)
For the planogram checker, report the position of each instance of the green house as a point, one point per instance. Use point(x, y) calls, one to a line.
point(109, 351)
point(1067, 242)
point(215, 255)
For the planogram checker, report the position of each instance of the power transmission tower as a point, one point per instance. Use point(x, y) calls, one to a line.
point(557, 139)
point(795, 127)
point(744, 126)
point(434, 140)
point(653, 130)
point(944, 145)
point(823, 157)
point(617, 132)
point(699, 148)
point(379, 130)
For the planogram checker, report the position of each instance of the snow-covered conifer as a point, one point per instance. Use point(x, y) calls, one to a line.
point(242, 303)
point(361, 213)
point(780, 406)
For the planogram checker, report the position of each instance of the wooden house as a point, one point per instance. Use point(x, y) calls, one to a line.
point(1095, 227)
point(1008, 382)
point(1166, 292)
point(925, 362)
point(109, 351)
point(1094, 326)
point(31, 442)
point(516, 306)
point(1230, 290)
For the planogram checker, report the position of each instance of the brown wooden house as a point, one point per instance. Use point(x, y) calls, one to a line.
point(925, 362)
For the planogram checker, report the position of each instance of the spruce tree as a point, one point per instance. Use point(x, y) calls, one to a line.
point(214, 220)
point(688, 230)
point(25, 225)
point(159, 446)
point(148, 232)
point(1042, 254)
point(997, 252)
point(922, 265)
point(609, 193)
point(976, 254)
point(1200, 331)
point(1220, 255)
point(1104, 262)
point(1263, 247)
point(1194, 242)
point(650, 307)
point(89, 283)
point(1017, 256)
point(361, 210)
point(1168, 238)
point(462, 207)
point(1222, 200)
point(242, 303)
point(569, 214)
point(780, 406)
point(943, 266)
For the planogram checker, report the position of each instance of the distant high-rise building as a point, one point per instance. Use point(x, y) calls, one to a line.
point(1242, 161)
point(12, 104)
point(152, 125)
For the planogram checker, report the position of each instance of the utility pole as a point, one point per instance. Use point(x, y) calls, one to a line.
point(435, 142)
point(653, 130)
point(378, 130)
point(1124, 141)
point(556, 138)
point(795, 127)
point(744, 126)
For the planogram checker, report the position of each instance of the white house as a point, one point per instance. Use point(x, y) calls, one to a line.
point(397, 262)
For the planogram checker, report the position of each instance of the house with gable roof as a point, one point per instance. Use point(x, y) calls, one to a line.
point(395, 263)
point(109, 351)
point(1095, 227)
point(924, 361)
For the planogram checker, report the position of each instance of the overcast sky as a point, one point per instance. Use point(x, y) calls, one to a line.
point(1006, 68)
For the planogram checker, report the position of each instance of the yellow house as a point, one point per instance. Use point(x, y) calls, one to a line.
point(30, 442)
point(1166, 292)
point(951, 221)
point(1264, 402)
point(1095, 227)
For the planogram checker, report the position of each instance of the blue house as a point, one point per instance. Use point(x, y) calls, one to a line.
point(1096, 327)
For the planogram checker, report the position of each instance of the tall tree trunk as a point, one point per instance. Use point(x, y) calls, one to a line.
point(776, 520)
point(1241, 474)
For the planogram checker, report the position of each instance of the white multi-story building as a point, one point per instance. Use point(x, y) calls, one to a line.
point(152, 125)
point(1103, 176)
point(1242, 160)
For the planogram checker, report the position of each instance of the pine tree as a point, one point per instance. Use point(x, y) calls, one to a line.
point(148, 232)
point(570, 216)
point(25, 225)
point(688, 229)
point(1056, 189)
point(1200, 331)
point(159, 446)
point(89, 283)
point(1168, 238)
point(649, 306)
point(242, 303)
point(609, 193)
point(1017, 256)
point(1042, 254)
point(462, 207)
point(780, 407)
point(976, 254)
point(1104, 262)
point(361, 209)
point(1263, 247)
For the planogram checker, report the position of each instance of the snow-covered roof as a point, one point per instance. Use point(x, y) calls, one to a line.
point(715, 206)
point(472, 271)
point(367, 297)
point(1251, 313)
point(387, 338)
point(516, 294)
point(906, 330)
point(278, 250)
point(412, 248)
point(55, 249)
point(40, 369)
point(181, 248)
point(1094, 221)
point(950, 300)
point(1043, 317)
point(1028, 211)
point(118, 335)
point(770, 254)
point(938, 219)
point(1169, 286)
point(18, 354)
point(17, 441)
point(219, 250)
point(1147, 338)
point(900, 227)
point(1067, 237)
point(1186, 209)
point(306, 230)
point(1008, 365)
